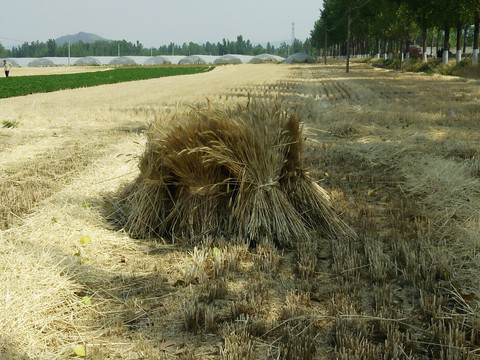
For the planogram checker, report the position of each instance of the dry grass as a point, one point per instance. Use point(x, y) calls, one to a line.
point(397, 154)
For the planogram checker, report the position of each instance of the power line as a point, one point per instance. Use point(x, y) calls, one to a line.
point(360, 6)
point(337, 24)
point(348, 31)
point(16, 40)
point(326, 32)
point(349, 11)
point(345, 14)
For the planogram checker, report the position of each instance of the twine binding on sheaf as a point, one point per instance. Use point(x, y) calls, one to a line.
point(268, 185)
point(203, 190)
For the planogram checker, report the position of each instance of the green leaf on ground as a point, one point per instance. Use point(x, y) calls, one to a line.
point(85, 240)
point(80, 351)
point(86, 301)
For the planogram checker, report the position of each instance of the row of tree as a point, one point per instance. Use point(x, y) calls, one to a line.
point(383, 26)
point(125, 48)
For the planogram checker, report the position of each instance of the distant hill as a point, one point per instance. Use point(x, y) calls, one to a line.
point(81, 36)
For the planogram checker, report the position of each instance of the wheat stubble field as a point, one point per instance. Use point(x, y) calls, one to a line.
point(398, 154)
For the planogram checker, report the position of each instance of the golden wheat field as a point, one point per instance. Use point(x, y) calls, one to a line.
point(398, 154)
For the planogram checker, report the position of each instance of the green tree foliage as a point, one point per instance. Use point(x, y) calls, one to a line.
point(4, 52)
point(111, 48)
point(375, 23)
point(51, 47)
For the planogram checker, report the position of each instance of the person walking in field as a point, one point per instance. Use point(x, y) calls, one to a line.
point(7, 66)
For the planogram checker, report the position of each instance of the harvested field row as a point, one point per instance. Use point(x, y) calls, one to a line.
point(371, 154)
point(29, 180)
point(371, 151)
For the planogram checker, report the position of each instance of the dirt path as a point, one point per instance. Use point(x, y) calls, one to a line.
point(69, 278)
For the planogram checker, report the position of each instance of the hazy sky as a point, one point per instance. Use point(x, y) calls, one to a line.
point(158, 22)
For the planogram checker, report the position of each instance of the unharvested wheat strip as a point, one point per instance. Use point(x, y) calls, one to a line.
point(27, 71)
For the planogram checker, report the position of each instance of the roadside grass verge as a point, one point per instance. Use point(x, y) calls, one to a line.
point(463, 69)
point(25, 85)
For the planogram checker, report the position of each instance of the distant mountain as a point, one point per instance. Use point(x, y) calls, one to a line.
point(81, 36)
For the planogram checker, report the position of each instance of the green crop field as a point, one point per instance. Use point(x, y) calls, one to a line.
point(24, 85)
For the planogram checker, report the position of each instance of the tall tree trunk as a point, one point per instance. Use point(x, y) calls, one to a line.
point(459, 43)
point(377, 45)
point(431, 45)
point(400, 53)
point(475, 38)
point(390, 49)
point(465, 32)
point(367, 42)
point(325, 46)
point(446, 44)
point(407, 51)
point(424, 36)
point(348, 39)
point(438, 41)
point(384, 47)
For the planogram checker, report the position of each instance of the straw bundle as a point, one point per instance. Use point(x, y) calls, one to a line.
point(234, 171)
point(254, 155)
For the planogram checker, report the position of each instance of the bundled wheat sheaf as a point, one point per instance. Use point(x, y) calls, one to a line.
point(228, 171)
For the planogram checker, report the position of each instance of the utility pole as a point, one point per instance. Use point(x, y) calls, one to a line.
point(293, 33)
point(348, 41)
point(68, 52)
point(292, 40)
point(348, 30)
point(325, 51)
